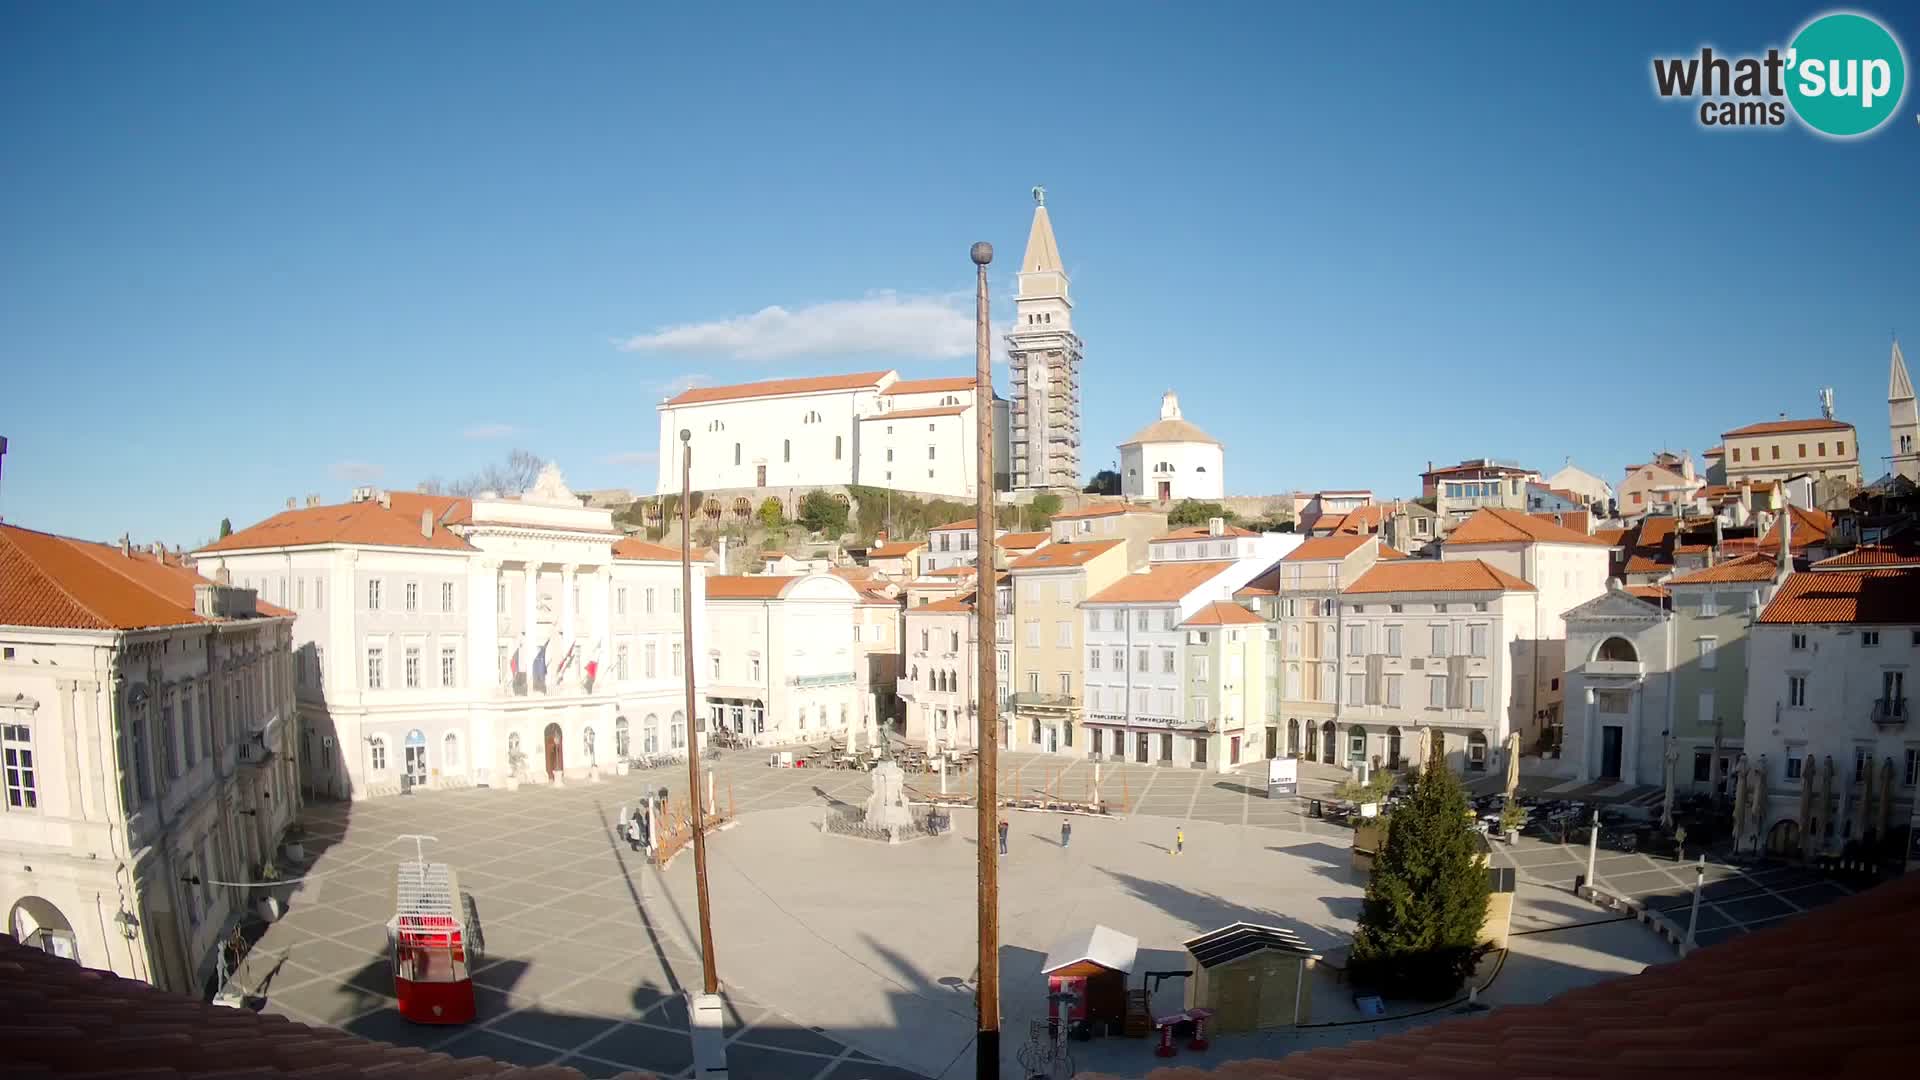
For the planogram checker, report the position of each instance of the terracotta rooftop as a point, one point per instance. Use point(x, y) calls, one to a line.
point(1200, 532)
point(1610, 537)
point(1222, 613)
point(1649, 592)
point(1572, 519)
point(952, 605)
point(1025, 541)
point(700, 395)
point(749, 586)
point(1489, 525)
point(1820, 994)
point(1163, 583)
point(632, 547)
point(1782, 427)
point(364, 523)
point(1105, 509)
point(66, 1020)
point(1874, 597)
point(899, 549)
point(1433, 575)
point(1904, 551)
point(1365, 518)
point(1388, 551)
point(55, 581)
point(1746, 568)
point(1809, 527)
point(910, 414)
point(931, 386)
point(1713, 451)
point(1477, 466)
point(967, 524)
point(1325, 547)
point(1055, 556)
point(950, 571)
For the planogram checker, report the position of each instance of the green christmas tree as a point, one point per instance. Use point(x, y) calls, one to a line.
point(1419, 934)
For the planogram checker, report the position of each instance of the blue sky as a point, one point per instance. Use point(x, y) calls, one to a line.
point(257, 251)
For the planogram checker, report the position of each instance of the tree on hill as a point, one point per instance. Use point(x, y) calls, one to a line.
point(1194, 512)
point(771, 514)
point(1105, 482)
point(822, 513)
point(226, 527)
point(1419, 932)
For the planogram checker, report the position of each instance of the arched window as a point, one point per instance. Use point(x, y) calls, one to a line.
point(650, 734)
point(677, 729)
point(622, 740)
point(1617, 649)
point(450, 752)
point(836, 447)
point(1328, 738)
point(1393, 748)
point(1356, 743)
point(1293, 736)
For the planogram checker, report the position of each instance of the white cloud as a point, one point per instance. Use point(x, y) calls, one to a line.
point(631, 457)
point(356, 472)
point(935, 327)
point(489, 431)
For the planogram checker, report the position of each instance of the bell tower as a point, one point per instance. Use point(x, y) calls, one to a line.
point(1043, 358)
point(1903, 420)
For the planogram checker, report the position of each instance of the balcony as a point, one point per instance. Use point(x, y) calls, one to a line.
point(838, 678)
point(1034, 699)
point(1616, 669)
point(1890, 713)
point(256, 747)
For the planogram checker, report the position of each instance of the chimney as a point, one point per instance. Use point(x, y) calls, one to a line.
point(126, 545)
point(313, 500)
point(420, 488)
point(426, 523)
point(1216, 526)
point(1786, 545)
point(723, 553)
point(223, 576)
point(291, 502)
point(386, 500)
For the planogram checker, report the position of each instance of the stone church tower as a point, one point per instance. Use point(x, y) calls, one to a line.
point(1903, 421)
point(1043, 357)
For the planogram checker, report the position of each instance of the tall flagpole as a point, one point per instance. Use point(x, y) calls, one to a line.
point(987, 800)
point(708, 973)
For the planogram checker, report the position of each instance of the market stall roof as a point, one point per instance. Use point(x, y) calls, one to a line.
point(1216, 947)
point(1102, 945)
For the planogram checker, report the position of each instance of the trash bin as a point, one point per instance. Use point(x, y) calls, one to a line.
point(1314, 809)
point(406, 783)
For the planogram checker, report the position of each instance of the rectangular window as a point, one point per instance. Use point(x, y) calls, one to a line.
point(1140, 661)
point(1799, 640)
point(646, 601)
point(1033, 633)
point(1393, 641)
point(500, 597)
point(620, 601)
point(1356, 689)
point(678, 665)
point(373, 594)
point(1709, 660)
point(1869, 639)
point(413, 596)
point(1119, 659)
point(1477, 640)
point(1709, 605)
point(1477, 695)
point(716, 667)
point(376, 665)
point(649, 653)
point(449, 666)
point(1356, 640)
point(446, 596)
point(1063, 633)
point(676, 600)
point(1795, 761)
point(1776, 451)
point(412, 660)
point(1822, 447)
point(1736, 455)
point(1393, 691)
point(1439, 641)
point(1140, 620)
point(1436, 691)
point(1912, 772)
point(1797, 691)
point(1200, 668)
point(1093, 659)
point(1803, 449)
point(300, 592)
point(1703, 766)
point(16, 747)
point(753, 668)
point(1066, 684)
point(1840, 448)
point(620, 662)
point(1166, 661)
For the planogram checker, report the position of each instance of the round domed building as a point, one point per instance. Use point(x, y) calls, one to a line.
point(1172, 459)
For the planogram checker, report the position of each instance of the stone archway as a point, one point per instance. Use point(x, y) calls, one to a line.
point(37, 924)
point(556, 751)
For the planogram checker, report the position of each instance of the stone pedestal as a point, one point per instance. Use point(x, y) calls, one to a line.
point(887, 805)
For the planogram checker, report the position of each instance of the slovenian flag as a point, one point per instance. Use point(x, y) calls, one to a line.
point(540, 664)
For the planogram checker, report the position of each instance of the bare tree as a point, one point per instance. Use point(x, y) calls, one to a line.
point(513, 477)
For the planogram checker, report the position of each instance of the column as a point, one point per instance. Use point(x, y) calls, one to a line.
point(601, 646)
point(1630, 741)
point(530, 614)
point(483, 625)
point(563, 641)
point(1589, 738)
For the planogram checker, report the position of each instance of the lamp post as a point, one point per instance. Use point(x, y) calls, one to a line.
point(987, 800)
point(1693, 917)
point(709, 975)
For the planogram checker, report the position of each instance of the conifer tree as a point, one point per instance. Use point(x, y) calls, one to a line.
point(1419, 933)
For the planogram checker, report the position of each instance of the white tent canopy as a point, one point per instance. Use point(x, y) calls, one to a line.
point(1098, 944)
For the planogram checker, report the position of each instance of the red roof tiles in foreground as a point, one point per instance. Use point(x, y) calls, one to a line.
point(1826, 993)
point(898, 550)
point(1023, 541)
point(749, 586)
point(1745, 569)
point(1648, 592)
point(55, 581)
point(930, 386)
point(1433, 575)
point(1222, 613)
point(1781, 427)
point(1847, 596)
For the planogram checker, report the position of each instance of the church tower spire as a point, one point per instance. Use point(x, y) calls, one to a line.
point(1043, 358)
point(1903, 419)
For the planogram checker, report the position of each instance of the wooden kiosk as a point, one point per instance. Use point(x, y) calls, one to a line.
point(1093, 965)
point(1251, 976)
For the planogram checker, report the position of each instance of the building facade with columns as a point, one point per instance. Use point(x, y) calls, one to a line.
point(449, 642)
point(144, 717)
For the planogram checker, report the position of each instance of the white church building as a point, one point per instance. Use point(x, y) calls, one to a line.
point(1172, 459)
point(872, 428)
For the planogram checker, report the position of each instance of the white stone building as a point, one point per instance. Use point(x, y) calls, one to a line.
point(941, 681)
point(144, 718)
point(1592, 489)
point(1217, 540)
point(1619, 688)
point(1043, 362)
point(447, 642)
point(872, 428)
point(1172, 459)
point(780, 663)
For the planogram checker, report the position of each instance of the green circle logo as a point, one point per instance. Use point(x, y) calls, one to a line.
point(1845, 74)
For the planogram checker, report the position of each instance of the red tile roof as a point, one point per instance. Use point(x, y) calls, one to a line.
point(1433, 575)
point(1163, 583)
point(362, 523)
point(1104, 509)
point(1222, 613)
point(700, 395)
point(1610, 537)
point(968, 524)
point(632, 547)
point(1847, 596)
point(1821, 994)
point(64, 1019)
point(952, 605)
point(1489, 525)
point(749, 586)
point(1572, 519)
point(951, 571)
point(910, 414)
point(1746, 568)
point(1809, 527)
point(1054, 556)
point(1025, 541)
point(1325, 547)
point(1648, 592)
point(55, 581)
point(1713, 451)
point(1388, 551)
point(1904, 551)
point(931, 386)
point(897, 550)
point(1782, 427)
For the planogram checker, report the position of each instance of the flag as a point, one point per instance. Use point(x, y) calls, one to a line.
point(513, 660)
point(565, 659)
point(540, 665)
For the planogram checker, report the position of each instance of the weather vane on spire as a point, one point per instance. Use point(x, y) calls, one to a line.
point(1040, 196)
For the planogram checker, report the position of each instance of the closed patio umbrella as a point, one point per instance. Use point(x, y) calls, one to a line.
point(1809, 776)
point(1757, 800)
point(1740, 796)
point(1886, 797)
point(1863, 805)
point(1513, 763)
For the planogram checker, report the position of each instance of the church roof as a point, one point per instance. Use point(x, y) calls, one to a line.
point(1899, 387)
point(1171, 430)
point(700, 395)
point(1043, 253)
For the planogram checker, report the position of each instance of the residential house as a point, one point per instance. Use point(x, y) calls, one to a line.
point(897, 559)
point(1712, 610)
point(1136, 525)
point(1217, 541)
point(1823, 448)
point(1591, 489)
point(1429, 646)
point(1226, 657)
point(1300, 600)
point(1050, 641)
point(1665, 485)
point(1459, 490)
point(1310, 507)
point(941, 681)
point(1566, 568)
point(953, 544)
point(781, 665)
point(449, 642)
point(145, 720)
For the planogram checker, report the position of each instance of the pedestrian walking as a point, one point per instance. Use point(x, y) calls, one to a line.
point(1066, 831)
point(1179, 840)
point(633, 832)
point(1003, 836)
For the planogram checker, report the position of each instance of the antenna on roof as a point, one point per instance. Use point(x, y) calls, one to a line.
point(1826, 402)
